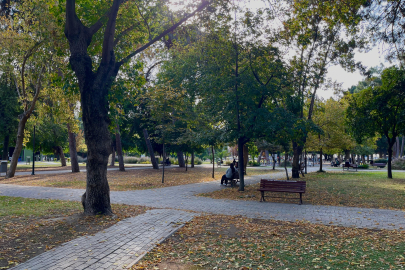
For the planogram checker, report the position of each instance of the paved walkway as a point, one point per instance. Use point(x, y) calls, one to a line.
point(183, 198)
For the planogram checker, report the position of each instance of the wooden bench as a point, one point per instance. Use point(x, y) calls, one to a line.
point(348, 166)
point(282, 186)
point(379, 165)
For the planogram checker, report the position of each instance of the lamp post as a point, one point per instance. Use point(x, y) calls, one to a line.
point(33, 155)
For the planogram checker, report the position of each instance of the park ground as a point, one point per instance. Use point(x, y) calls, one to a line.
point(30, 227)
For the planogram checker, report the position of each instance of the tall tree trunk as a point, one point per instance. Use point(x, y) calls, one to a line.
point(192, 159)
point(72, 150)
point(398, 148)
point(285, 164)
point(241, 143)
point(112, 162)
point(150, 150)
point(402, 146)
point(18, 147)
point(245, 157)
point(164, 161)
point(119, 149)
point(186, 161)
point(320, 161)
point(347, 155)
point(391, 143)
point(59, 150)
point(266, 155)
point(259, 158)
point(5, 147)
point(297, 149)
point(274, 160)
point(180, 157)
point(305, 160)
point(213, 163)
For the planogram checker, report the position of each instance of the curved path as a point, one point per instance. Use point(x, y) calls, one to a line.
point(152, 227)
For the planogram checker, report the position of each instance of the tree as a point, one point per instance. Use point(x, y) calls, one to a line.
point(118, 34)
point(380, 110)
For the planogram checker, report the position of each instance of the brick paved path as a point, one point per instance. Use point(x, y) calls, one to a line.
point(183, 198)
point(117, 247)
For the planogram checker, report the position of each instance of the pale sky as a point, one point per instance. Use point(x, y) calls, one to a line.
point(370, 59)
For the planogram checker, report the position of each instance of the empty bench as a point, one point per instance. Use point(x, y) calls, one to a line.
point(348, 166)
point(282, 186)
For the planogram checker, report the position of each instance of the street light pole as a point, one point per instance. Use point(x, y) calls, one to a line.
point(33, 155)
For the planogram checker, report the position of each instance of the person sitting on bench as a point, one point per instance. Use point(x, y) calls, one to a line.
point(228, 175)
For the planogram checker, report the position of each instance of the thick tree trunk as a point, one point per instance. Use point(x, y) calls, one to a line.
point(320, 161)
point(391, 143)
point(5, 147)
point(213, 163)
point(150, 150)
point(112, 162)
point(180, 157)
point(285, 165)
point(72, 150)
point(119, 149)
point(245, 157)
point(192, 159)
point(241, 161)
point(297, 149)
point(18, 147)
point(59, 151)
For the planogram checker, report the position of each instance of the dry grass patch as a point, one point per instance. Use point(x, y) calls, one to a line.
point(29, 227)
point(357, 189)
point(225, 242)
point(128, 180)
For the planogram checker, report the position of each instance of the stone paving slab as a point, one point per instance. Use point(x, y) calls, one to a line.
point(117, 247)
point(183, 198)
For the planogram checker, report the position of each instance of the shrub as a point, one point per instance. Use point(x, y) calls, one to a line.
point(197, 161)
point(174, 161)
point(381, 160)
point(289, 164)
point(398, 164)
point(364, 166)
point(81, 160)
point(254, 163)
point(131, 160)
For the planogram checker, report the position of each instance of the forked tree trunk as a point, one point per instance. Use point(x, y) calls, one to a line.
point(5, 147)
point(192, 159)
point(73, 153)
point(18, 147)
point(180, 158)
point(59, 151)
point(150, 150)
point(119, 149)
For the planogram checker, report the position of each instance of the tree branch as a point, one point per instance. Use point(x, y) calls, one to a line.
point(37, 90)
point(107, 54)
point(204, 4)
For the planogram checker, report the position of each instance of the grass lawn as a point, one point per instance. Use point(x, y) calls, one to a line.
point(358, 189)
point(224, 242)
point(130, 179)
point(29, 227)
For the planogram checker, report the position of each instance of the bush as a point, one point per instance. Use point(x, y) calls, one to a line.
point(289, 164)
point(136, 160)
point(364, 166)
point(197, 161)
point(398, 164)
point(81, 160)
point(381, 160)
point(254, 163)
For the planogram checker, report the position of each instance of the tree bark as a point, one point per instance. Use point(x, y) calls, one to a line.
point(150, 150)
point(285, 165)
point(391, 143)
point(320, 161)
point(274, 161)
point(297, 149)
point(259, 158)
point(245, 157)
point(72, 150)
point(5, 147)
point(347, 155)
point(112, 162)
point(119, 149)
point(266, 154)
point(59, 150)
point(241, 144)
point(402, 146)
point(192, 159)
point(213, 163)
point(180, 158)
point(18, 147)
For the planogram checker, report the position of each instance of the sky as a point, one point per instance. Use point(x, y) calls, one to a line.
point(371, 59)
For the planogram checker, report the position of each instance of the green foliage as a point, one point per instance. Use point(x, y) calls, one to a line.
point(136, 160)
point(364, 166)
point(254, 163)
point(380, 160)
point(288, 163)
